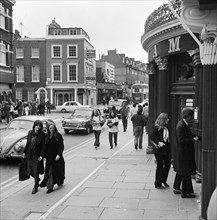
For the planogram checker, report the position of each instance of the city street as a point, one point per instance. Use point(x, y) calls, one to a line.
point(100, 184)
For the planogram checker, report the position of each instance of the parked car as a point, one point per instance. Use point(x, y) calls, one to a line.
point(13, 138)
point(78, 120)
point(118, 103)
point(70, 106)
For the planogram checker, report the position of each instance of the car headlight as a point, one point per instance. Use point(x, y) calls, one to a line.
point(83, 123)
point(20, 145)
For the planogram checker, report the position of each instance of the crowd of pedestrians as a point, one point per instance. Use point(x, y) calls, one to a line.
point(12, 109)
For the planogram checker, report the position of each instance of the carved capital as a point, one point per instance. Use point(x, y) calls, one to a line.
point(150, 68)
point(162, 63)
point(208, 49)
point(195, 55)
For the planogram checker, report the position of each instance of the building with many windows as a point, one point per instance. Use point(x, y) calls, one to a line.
point(30, 69)
point(127, 72)
point(105, 81)
point(6, 49)
point(70, 65)
point(58, 68)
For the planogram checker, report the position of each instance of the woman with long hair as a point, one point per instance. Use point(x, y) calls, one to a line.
point(34, 152)
point(97, 122)
point(160, 136)
point(55, 163)
point(113, 128)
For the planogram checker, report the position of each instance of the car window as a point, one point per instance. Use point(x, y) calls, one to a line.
point(67, 104)
point(82, 113)
point(115, 103)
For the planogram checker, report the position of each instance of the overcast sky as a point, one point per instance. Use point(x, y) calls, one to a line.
point(110, 24)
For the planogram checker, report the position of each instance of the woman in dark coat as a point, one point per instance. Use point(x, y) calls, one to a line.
point(160, 136)
point(55, 164)
point(34, 152)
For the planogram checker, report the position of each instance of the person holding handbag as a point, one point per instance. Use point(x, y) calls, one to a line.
point(160, 136)
point(112, 123)
point(97, 121)
point(34, 153)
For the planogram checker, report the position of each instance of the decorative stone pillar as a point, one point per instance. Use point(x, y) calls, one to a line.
point(152, 96)
point(163, 85)
point(209, 141)
point(198, 73)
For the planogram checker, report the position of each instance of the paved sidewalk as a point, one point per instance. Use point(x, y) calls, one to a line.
point(123, 188)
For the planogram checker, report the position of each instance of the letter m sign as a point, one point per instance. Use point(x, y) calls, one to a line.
point(174, 44)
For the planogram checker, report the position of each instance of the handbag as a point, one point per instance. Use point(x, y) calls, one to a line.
point(152, 148)
point(23, 174)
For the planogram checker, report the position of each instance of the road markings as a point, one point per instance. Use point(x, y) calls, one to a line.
point(52, 208)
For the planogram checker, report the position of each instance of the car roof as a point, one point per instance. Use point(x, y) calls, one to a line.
point(83, 108)
point(33, 118)
point(119, 100)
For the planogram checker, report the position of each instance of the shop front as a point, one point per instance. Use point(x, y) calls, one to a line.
point(182, 73)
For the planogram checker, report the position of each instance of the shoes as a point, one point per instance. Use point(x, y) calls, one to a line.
point(159, 187)
point(177, 191)
point(136, 147)
point(115, 145)
point(49, 190)
point(111, 147)
point(188, 196)
point(34, 190)
point(166, 185)
point(140, 148)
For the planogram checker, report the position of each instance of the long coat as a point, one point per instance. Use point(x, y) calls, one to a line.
point(55, 147)
point(184, 162)
point(33, 151)
point(157, 136)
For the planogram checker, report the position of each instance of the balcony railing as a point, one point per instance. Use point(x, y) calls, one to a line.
point(162, 15)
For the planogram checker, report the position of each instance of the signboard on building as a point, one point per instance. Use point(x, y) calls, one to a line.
point(90, 53)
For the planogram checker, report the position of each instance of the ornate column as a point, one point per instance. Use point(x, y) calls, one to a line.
point(198, 73)
point(209, 142)
point(204, 22)
point(163, 85)
point(152, 96)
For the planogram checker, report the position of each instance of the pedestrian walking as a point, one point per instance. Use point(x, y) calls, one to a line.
point(41, 108)
point(124, 115)
point(6, 112)
point(113, 128)
point(139, 122)
point(161, 137)
point(97, 121)
point(55, 163)
point(34, 153)
point(145, 112)
point(48, 106)
point(184, 162)
point(34, 108)
point(26, 108)
point(133, 110)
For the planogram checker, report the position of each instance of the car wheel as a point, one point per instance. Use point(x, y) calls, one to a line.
point(88, 130)
point(66, 131)
point(63, 110)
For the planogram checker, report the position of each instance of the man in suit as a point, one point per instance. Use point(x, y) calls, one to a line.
point(184, 163)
